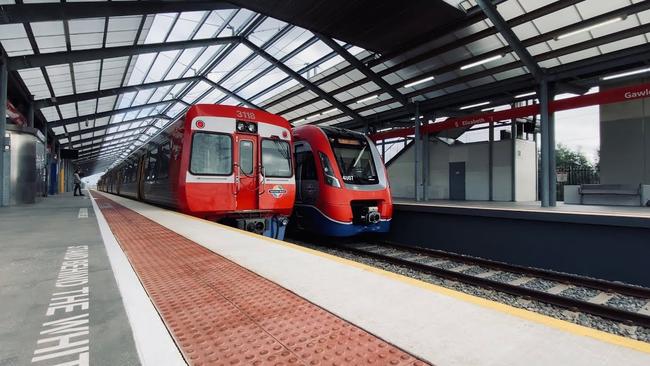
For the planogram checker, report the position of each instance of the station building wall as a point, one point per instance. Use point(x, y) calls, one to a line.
point(476, 158)
point(625, 142)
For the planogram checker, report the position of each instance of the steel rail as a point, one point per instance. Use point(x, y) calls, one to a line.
point(611, 313)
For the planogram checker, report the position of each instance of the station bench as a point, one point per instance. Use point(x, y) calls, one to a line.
point(613, 194)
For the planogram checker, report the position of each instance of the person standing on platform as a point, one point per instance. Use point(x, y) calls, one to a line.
point(77, 183)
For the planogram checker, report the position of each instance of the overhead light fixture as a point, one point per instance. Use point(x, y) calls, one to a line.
point(368, 98)
point(627, 73)
point(300, 120)
point(417, 82)
point(473, 105)
point(586, 29)
point(329, 111)
point(481, 62)
point(413, 118)
point(490, 109)
point(525, 95)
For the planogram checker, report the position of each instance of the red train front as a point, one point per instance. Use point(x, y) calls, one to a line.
point(223, 163)
point(342, 186)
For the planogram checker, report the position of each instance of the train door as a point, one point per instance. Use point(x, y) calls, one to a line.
point(307, 180)
point(142, 161)
point(247, 172)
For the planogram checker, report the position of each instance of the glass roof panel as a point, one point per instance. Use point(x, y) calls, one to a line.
point(213, 23)
point(289, 42)
point(86, 33)
point(112, 72)
point(269, 28)
point(59, 76)
point(122, 30)
point(14, 40)
point(161, 65)
point(49, 36)
point(249, 70)
point(160, 27)
point(262, 83)
point(33, 79)
point(86, 75)
point(186, 25)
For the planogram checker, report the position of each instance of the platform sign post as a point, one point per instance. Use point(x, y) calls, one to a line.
point(418, 146)
point(3, 129)
point(30, 112)
point(545, 121)
point(491, 161)
point(552, 178)
point(513, 158)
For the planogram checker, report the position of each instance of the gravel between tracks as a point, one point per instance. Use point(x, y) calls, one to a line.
point(588, 320)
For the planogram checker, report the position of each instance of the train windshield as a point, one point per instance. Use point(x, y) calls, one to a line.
point(276, 158)
point(354, 159)
point(211, 154)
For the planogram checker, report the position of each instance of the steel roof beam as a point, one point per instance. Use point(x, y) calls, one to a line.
point(106, 148)
point(613, 37)
point(505, 30)
point(93, 116)
point(24, 13)
point(73, 98)
point(231, 93)
point(302, 80)
point(93, 138)
point(347, 56)
point(110, 125)
point(102, 142)
point(64, 57)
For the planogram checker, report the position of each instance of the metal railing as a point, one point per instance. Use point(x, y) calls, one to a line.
point(572, 175)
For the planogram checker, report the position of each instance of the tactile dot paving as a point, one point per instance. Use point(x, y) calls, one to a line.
point(220, 313)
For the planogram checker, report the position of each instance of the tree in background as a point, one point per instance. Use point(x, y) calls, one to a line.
point(567, 158)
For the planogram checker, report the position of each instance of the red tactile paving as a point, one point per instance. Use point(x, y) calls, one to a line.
point(220, 313)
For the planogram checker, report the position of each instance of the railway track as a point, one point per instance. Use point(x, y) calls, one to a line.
point(576, 293)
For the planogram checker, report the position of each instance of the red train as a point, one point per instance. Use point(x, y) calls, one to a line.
point(342, 185)
point(228, 164)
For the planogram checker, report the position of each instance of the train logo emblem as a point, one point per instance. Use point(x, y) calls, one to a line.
point(277, 191)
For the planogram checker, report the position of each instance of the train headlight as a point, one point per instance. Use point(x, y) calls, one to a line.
point(252, 127)
point(241, 126)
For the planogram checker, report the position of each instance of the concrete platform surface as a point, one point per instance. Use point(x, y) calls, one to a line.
point(441, 326)
point(59, 299)
point(561, 208)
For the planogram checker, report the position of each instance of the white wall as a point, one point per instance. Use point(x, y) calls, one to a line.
point(625, 142)
point(401, 175)
point(526, 171)
point(476, 158)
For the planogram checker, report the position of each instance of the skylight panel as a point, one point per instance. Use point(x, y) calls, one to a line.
point(14, 40)
point(213, 23)
point(49, 36)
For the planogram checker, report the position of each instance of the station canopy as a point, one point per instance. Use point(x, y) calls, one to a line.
point(108, 76)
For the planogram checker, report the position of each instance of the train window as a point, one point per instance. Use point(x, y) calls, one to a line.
point(276, 158)
point(211, 154)
point(246, 156)
point(152, 172)
point(164, 156)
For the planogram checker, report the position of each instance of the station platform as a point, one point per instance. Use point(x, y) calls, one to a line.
point(168, 289)
point(639, 216)
point(604, 242)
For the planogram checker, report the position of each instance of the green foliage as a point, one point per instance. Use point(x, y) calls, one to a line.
point(567, 158)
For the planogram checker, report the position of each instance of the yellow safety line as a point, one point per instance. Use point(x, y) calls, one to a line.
point(508, 309)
